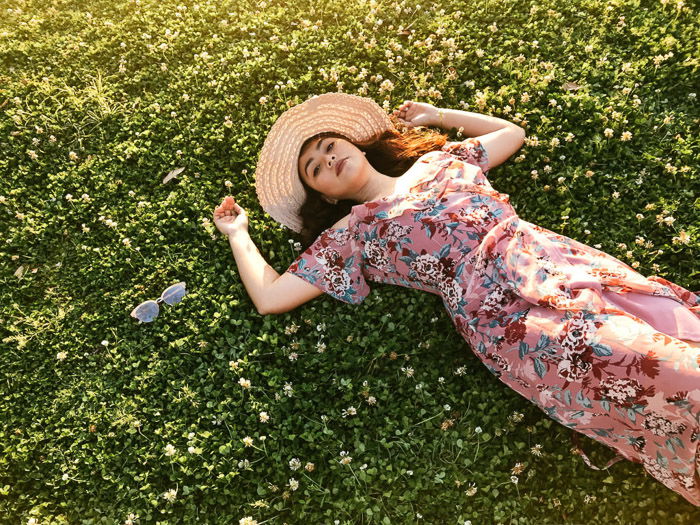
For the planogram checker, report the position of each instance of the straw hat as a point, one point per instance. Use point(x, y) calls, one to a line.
point(280, 192)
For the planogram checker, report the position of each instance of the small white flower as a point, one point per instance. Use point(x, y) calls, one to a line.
point(478, 430)
point(170, 495)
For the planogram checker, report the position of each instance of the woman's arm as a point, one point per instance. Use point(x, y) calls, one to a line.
point(474, 124)
point(256, 274)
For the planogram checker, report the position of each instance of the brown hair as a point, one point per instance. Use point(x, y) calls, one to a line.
point(392, 153)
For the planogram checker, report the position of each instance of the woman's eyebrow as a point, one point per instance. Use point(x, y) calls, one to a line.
point(318, 145)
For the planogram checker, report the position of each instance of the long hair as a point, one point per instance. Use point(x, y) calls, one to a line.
point(392, 153)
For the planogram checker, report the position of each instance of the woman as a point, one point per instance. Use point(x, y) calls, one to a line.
point(597, 346)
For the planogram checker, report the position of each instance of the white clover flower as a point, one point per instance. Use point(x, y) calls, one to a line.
point(245, 383)
point(478, 430)
point(294, 463)
point(170, 495)
point(293, 484)
point(264, 418)
point(61, 356)
point(170, 450)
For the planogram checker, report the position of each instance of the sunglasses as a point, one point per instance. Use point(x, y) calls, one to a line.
point(148, 310)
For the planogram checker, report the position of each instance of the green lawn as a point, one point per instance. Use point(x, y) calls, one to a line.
point(330, 414)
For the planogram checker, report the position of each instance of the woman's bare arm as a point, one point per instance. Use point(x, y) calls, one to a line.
point(256, 274)
point(288, 292)
point(271, 292)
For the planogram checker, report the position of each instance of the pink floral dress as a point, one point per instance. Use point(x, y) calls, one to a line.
point(597, 346)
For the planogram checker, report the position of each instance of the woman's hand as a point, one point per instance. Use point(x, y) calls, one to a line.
point(230, 219)
point(414, 114)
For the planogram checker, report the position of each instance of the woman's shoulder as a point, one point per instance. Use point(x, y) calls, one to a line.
point(342, 223)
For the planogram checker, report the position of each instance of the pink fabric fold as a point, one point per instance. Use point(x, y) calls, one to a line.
point(664, 314)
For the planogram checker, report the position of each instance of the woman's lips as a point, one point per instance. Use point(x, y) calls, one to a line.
point(340, 166)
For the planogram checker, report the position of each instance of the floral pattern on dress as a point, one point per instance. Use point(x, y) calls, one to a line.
point(529, 303)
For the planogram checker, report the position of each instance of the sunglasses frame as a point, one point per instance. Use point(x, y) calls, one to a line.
point(158, 301)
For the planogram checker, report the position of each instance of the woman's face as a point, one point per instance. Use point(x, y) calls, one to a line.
point(318, 168)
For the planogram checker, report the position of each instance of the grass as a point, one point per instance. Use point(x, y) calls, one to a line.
point(328, 414)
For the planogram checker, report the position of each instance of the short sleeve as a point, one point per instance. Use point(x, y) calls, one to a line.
point(334, 264)
point(471, 151)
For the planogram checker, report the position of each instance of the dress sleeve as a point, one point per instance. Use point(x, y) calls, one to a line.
point(469, 150)
point(334, 264)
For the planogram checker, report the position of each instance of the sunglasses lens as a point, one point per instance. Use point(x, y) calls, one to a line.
point(146, 311)
point(174, 293)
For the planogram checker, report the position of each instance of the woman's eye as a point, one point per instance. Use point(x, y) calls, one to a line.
point(330, 146)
